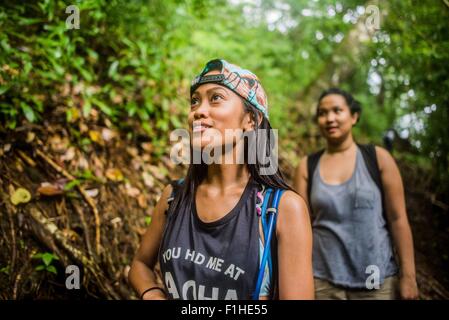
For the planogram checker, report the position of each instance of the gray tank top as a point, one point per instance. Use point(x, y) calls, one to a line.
point(349, 230)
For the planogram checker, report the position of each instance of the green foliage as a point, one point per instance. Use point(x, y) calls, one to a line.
point(133, 60)
point(414, 45)
point(72, 184)
point(6, 270)
point(46, 259)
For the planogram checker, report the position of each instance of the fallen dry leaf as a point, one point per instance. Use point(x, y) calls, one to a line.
point(142, 201)
point(147, 146)
point(82, 163)
point(116, 222)
point(48, 189)
point(59, 144)
point(148, 179)
point(75, 114)
point(117, 99)
point(132, 191)
point(30, 136)
point(83, 127)
point(114, 174)
point(69, 155)
point(21, 195)
point(136, 163)
point(95, 136)
point(92, 193)
point(108, 134)
point(157, 172)
point(78, 88)
point(132, 151)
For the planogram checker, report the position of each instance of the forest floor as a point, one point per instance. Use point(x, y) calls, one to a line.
point(94, 217)
point(429, 220)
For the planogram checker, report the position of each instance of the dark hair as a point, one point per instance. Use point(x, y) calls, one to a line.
point(353, 104)
point(197, 172)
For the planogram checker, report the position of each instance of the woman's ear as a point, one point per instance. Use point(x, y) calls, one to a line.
point(259, 118)
point(355, 118)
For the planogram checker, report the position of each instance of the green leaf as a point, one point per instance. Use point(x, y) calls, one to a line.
point(147, 220)
point(87, 106)
point(175, 122)
point(5, 270)
point(112, 72)
point(3, 89)
point(52, 269)
point(73, 195)
point(92, 54)
point(47, 258)
point(88, 175)
point(131, 107)
point(71, 184)
point(11, 124)
point(29, 21)
point(103, 107)
point(40, 267)
point(85, 142)
point(28, 112)
point(37, 256)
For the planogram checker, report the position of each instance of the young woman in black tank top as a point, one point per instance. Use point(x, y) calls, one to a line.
point(208, 239)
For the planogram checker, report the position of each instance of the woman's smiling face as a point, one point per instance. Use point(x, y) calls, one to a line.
point(213, 109)
point(334, 117)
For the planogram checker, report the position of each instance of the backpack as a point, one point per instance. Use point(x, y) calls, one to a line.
point(268, 215)
point(369, 156)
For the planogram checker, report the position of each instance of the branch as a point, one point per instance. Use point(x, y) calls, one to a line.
point(88, 199)
point(76, 254)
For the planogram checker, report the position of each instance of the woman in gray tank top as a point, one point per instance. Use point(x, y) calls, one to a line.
point(208, 241)
point(362, 242)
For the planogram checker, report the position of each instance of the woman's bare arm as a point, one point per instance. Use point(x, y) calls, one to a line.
point(294, 233)
point(141, 275)
point(398, 222)
point(300, 180)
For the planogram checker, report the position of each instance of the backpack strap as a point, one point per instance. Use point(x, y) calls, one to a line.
point(370, 158)
point(270, 214)
point(267, 198)
point(312, 162)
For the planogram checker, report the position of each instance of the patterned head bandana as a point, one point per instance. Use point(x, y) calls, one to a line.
point(242, 82)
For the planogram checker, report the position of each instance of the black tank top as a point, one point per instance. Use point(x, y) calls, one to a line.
point(217, 260)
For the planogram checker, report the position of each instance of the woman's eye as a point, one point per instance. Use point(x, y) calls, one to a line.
point(193, 101)
point(215, 97)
